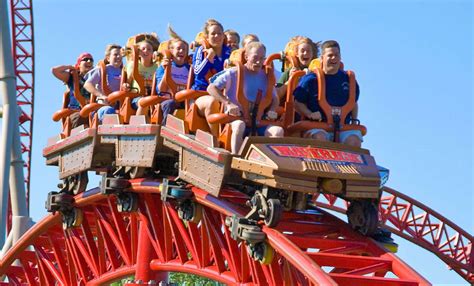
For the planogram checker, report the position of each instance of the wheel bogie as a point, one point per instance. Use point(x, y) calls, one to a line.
point(190, 211)
point(127, 202)
point(72, 218)
point(363, 216)
point(261, 252)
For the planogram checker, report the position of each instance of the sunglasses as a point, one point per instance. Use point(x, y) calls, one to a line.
point(87, 60)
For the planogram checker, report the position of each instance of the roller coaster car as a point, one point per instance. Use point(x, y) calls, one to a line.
point(137, 142)
point(107, 146)
point(75, 151)
point(274, 168)
point(77, 154)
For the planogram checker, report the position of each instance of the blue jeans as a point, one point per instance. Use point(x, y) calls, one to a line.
point(103, 111)
point(168, 107)
point(135, 102)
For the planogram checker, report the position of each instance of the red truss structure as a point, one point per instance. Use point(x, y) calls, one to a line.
point(23, 55)
point(416, 222)
point(310, 248)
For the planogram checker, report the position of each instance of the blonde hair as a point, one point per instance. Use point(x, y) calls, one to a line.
point(298, 40)
point(108, 50)
point(232, 33)
point(151, 39)
point(175, 38)
point(209, 23)
point(253, 37)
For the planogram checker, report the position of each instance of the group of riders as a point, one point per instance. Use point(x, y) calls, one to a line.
point(210, 72)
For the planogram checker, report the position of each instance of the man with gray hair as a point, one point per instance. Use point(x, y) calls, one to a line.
point(223, 88)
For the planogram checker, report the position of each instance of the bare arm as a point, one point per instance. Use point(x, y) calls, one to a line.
point(281, 91)
point(217, 94)
point(275, 102)
point(62, 72)
point(93, 90)
point(163, 86)
point(304, 110)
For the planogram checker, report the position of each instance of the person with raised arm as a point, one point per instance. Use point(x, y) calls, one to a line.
point(84, 63)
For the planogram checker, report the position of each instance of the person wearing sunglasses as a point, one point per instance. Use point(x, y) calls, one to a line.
point(84, 63)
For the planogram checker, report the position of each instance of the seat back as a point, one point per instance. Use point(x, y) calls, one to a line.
point(329, 110)
point(77, 89)
point(103, 78)
point(65, 113)
point(264, 100)
point(192, 118)
point(136, 76)
point(288, 56)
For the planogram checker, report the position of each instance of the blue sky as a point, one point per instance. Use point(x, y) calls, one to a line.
point(413, 61)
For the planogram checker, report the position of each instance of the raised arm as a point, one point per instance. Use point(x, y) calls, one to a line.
point(62, 72)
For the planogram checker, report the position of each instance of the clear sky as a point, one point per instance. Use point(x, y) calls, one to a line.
point(413, 61)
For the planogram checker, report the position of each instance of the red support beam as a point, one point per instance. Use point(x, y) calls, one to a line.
point(23, 55)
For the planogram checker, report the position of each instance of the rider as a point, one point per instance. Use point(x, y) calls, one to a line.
point(233, 39)
point(305, 50)
point(337, 94)
point(255, 81)
point(206, 61)
point(84, 64)
point(248, 39)
point(146, 68)
point(113, 70)
point(179, 71)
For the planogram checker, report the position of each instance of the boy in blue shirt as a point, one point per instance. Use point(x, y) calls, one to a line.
point(337, 94)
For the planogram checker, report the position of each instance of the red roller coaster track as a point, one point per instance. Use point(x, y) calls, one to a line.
point(310, 248)
point(421, 225)
point(23, 55)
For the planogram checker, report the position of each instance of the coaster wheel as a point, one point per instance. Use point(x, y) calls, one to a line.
point(363, 217)
point(77, 183)
point(127, 202)
point(118, 183)
point(190, 211)
point(273, 212)
point(72, 218)
point(137, 172)
point(261, 252)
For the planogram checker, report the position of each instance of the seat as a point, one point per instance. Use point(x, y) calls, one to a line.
point(90, 109)
point(251, 119)
point(125, 97)
point(192, 119)
point(65, 113)
point(288, 56)
point(335, 115)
